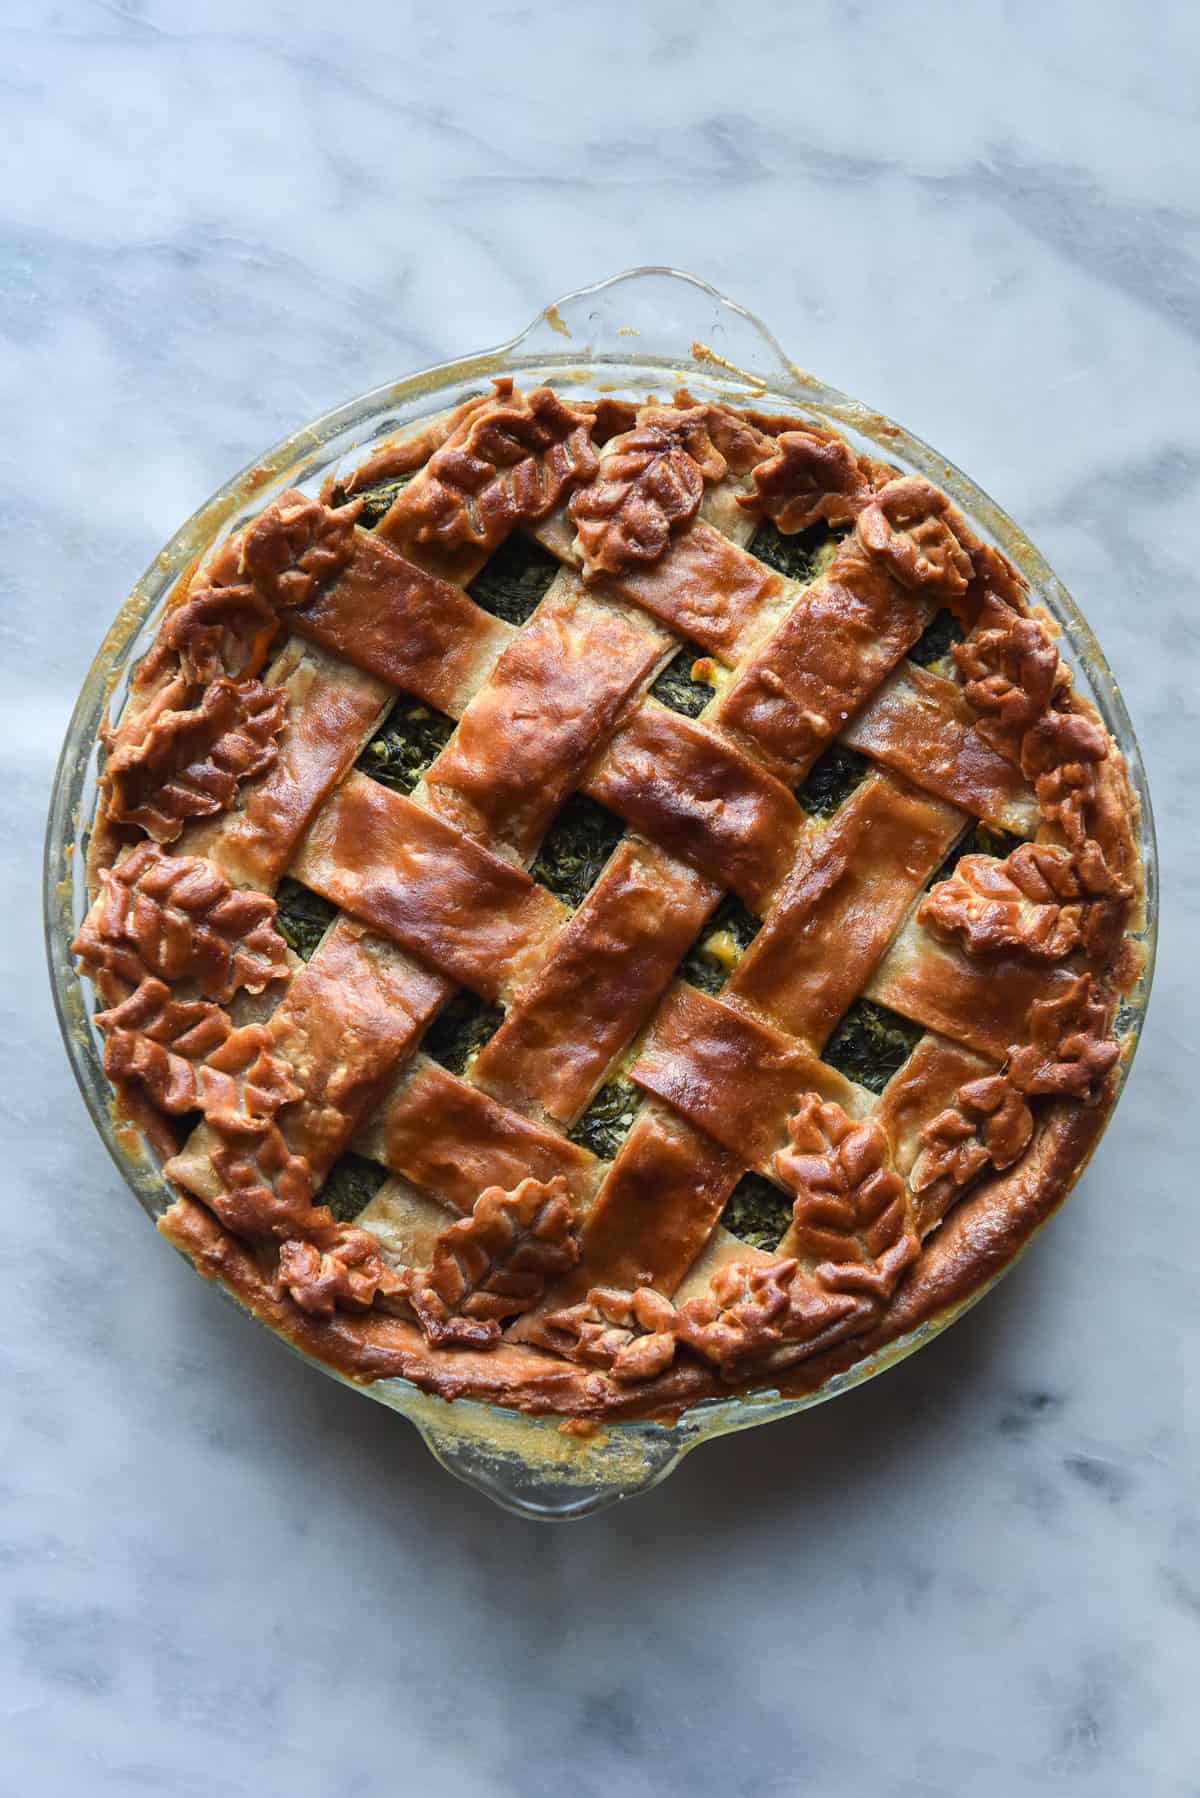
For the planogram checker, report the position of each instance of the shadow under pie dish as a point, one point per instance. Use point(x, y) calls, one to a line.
point(606, 896)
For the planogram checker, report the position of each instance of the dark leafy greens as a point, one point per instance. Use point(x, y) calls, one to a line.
point(576, 847)
point(871, 1044)
point(411, 736)
point(716, 951)
point(460, 1029)
point(512, 581)
point(758, 1212)
point(606, 1122)
point(831, 779)
point(303, 916)
point(681, 686)
point(351, 1183)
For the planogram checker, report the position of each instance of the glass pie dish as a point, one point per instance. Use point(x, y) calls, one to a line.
point(637, 335)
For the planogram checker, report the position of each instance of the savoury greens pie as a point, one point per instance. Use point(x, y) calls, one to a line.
point(607, 905)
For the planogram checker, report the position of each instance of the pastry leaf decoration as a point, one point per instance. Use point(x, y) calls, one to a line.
point(1069, 1051)
point(338, 1267)
point(912, 529)
point(1059, 754)
point(851, 1221)
point(1010, 670)
point(749, 1312)
point(509, 463)
point(187, 763)
point(650, 484)
point(1041, 902)
point(224, 625)
point(494, 1264)
point(177, 918)
point(812, 475)
point(989, 1124)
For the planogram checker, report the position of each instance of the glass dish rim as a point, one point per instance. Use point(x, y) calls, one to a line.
point(560, 1487)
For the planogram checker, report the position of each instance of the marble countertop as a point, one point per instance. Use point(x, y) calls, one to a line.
point(221, 1574)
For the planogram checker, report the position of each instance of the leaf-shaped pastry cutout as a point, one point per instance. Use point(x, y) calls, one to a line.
point(162, 1044)
point(338, 1268)
point(178, 918)
point(851, 1213)
point(188, 762)
point(509, 463)
point(1041, 902)
point(989, 1124)
point(812, 475)
point(1069, 1050)
point(913, 529)
point(1010, 670)
point(225, 623)
point(1059, 754)
point(650, 484)
point(496, 1263)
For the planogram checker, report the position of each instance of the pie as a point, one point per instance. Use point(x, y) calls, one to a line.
point(608, 906)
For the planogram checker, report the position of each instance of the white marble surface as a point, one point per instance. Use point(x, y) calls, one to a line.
point(222, 1574)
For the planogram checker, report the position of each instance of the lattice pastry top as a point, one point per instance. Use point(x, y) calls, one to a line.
point(608, 905)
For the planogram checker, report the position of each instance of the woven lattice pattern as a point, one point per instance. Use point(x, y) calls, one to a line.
point(609, 776)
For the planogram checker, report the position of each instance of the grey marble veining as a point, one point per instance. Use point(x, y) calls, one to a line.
point(221, 1574)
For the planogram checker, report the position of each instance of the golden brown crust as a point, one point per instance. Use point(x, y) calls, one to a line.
point(919, 724)
point(608, 968)
point(426, 885)
point(657, 1208)
point(828, 653)
point(975, 1243)
point(453, 1140)
point(983, 1006)
point(702, 799)
point(911, 527)
point(594, 1289)
point(852, 1223)
point(551, 701)
point(413, 450)
point(704, 587)
point(812, 475)
point(1042, 901)
point(495, 1264)
point(735, 1078)
point(177, 918)
point(850, 886)
point(508, 463)
point(331, 711)
point(404, 625)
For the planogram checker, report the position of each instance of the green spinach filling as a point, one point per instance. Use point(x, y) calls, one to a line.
point(871, 1044)
point(720, 945)
point(932, 648)
point(351, 1183)
point(758, 1212)
point(377, 499)
point(512, 581)
point(302, 917)
point(793, 554)
point(831, 779)
point(576, 847)
point(411, 736)
point(460, 1030)
point(606, 1122)
point(680, 684)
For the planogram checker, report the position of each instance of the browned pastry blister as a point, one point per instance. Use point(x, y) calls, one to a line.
point(566, 1179)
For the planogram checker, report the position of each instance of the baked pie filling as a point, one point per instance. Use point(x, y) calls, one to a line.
point(608, 906)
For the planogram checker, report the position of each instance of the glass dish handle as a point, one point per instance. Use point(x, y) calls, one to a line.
point(719, 344)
